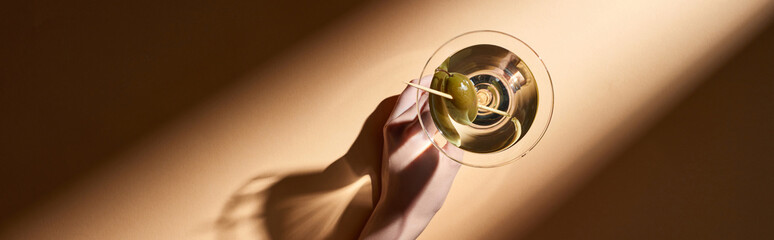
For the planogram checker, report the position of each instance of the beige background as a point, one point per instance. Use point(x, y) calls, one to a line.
point(162, 114)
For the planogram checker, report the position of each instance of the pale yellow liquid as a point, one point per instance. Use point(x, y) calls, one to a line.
point(502, 82)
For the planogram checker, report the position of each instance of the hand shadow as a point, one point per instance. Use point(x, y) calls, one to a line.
point(332, 204)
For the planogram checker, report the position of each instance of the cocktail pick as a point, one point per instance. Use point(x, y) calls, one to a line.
point(448, 96)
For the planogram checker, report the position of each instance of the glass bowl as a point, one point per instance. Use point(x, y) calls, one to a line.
point(508, 76)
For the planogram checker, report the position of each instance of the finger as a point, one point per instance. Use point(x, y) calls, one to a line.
point(426, 80)
point(408, 97)
point(411, 113)
point(427, 121)
point(412, 131)
point(404, 101)
point(409, 148)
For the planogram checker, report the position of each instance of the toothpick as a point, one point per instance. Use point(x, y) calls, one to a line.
point(494, 110)
point(430, 90)
point(446, 95)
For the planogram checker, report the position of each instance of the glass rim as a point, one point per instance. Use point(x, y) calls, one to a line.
point(549, 109)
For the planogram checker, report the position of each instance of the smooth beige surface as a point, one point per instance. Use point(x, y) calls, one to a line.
point(615, 67)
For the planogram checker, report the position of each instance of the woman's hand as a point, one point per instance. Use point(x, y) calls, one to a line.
point(416, 177)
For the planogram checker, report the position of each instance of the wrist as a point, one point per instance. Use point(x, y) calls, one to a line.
point(391, 220)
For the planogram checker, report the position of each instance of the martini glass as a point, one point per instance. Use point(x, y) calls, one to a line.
point(509, 76)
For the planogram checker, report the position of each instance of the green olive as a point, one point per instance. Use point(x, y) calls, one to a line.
point(463, 107)
point(439, 110)
point(444, 66)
